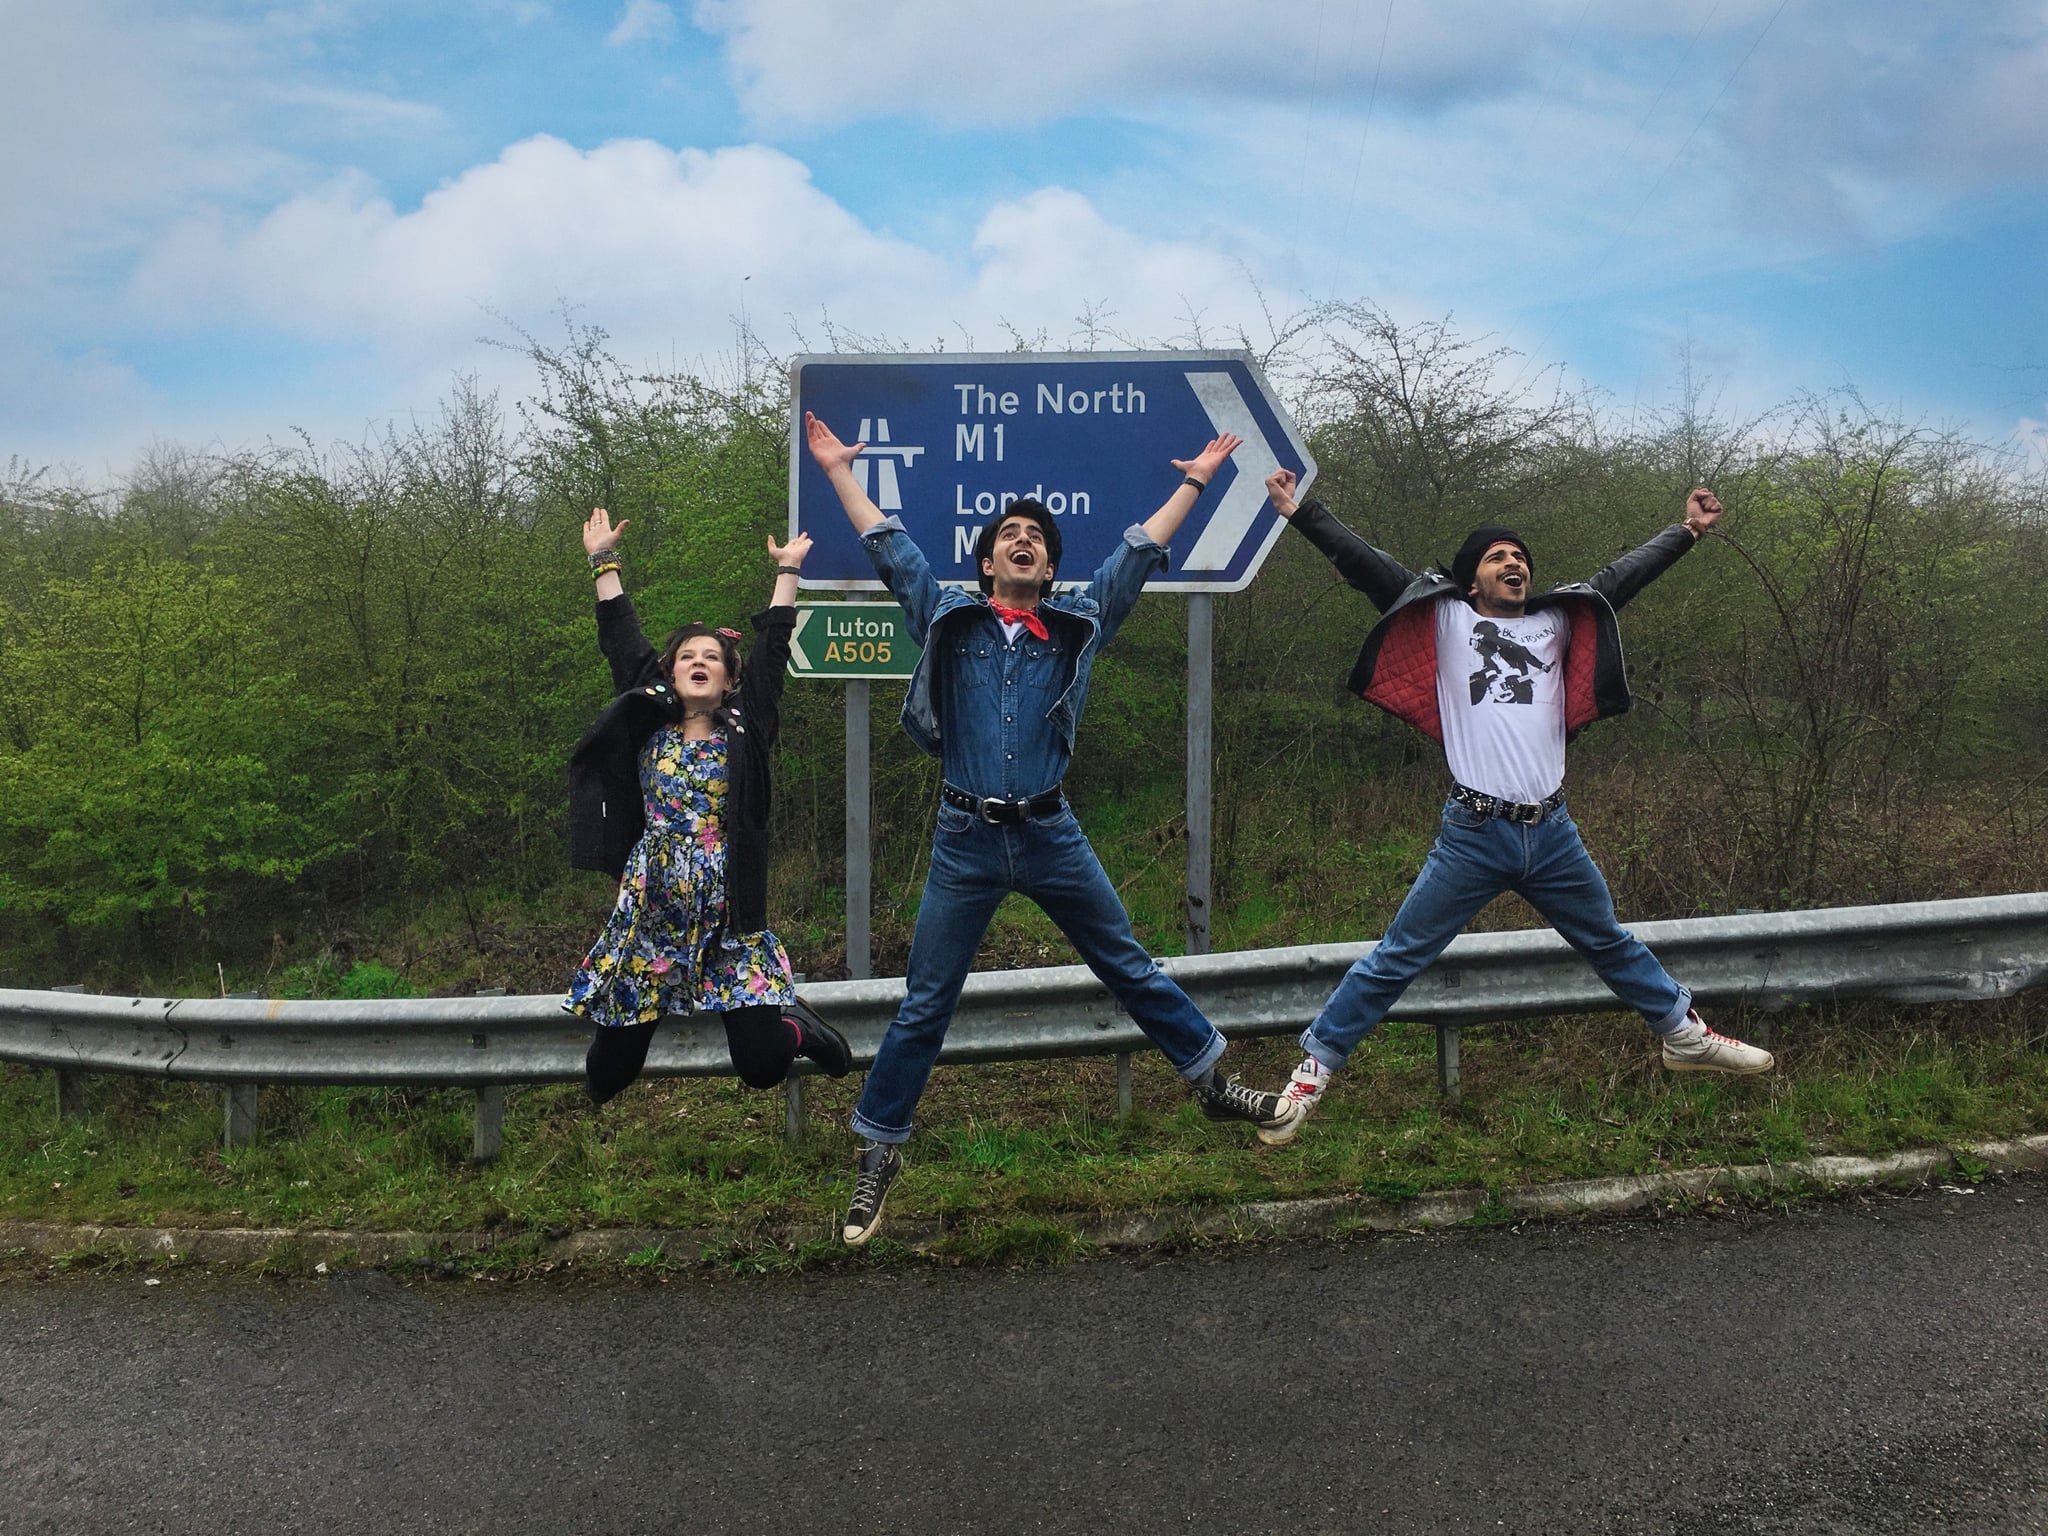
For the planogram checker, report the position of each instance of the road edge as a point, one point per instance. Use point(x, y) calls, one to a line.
point(289, 1250)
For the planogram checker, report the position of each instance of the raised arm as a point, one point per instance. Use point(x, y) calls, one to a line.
point(619, 635)
point(1628, 575)
point(1370, 569)
point(836, 459)
point(1196, 473)
point(601, 539)
point(789, 561)
point(894, 554)
point(767, 665)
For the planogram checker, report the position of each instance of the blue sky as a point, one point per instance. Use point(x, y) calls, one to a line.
point(232, 220)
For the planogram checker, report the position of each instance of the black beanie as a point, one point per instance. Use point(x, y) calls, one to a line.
point(1465, 568)
point(1023, 506)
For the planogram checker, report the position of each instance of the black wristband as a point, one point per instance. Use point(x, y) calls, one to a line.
point(1199, 485)
point(789, 570)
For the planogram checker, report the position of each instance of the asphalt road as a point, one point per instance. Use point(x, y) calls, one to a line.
point(1875, 1365)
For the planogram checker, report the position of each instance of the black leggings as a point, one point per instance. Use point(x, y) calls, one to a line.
point(761, 1042)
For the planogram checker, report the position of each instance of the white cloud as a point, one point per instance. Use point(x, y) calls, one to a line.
point(1547, 170)
point(666, 248)
point(110, 121)
point(363, 110)
point(977, 61)
point(121, 116)
point(644, 21)
point(2031, 436)
point(1867, 131)
point(1050, 260)
point(59, 406)
point(1829, 132)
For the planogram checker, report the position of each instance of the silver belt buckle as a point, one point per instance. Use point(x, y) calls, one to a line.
point(988, 808)
point(1522, 813)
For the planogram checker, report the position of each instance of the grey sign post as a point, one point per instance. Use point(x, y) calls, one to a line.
point(853, 643)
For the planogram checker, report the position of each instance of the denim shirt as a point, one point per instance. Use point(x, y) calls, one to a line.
point(1002, 717)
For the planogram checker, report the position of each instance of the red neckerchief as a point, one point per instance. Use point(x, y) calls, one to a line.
point(1028, 617)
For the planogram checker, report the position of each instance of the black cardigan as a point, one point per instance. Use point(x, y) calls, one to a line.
point(606, 812)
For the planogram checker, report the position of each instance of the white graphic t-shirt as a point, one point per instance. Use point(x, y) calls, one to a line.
point(1500, 692)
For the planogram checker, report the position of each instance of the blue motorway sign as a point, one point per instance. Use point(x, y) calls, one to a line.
point(951, 439)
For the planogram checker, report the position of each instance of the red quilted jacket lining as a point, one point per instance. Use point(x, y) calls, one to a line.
point(1404, 672)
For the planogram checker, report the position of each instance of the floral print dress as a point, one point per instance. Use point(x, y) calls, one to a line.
point(665, 949)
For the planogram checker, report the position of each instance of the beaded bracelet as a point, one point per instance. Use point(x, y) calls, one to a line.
point(604, 570)
point(608, 557)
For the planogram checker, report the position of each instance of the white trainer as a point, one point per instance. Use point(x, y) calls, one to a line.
point(1298, 1100)
point(1693, 1047)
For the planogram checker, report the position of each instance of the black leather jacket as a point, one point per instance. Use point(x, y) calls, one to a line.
point(1396, 666)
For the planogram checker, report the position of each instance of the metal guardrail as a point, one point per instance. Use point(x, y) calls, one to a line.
point(1977, 949)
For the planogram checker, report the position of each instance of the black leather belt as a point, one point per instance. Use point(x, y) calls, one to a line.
point(1004, 812)
point(1520, 811)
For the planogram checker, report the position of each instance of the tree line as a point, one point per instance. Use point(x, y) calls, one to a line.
point(267, 692)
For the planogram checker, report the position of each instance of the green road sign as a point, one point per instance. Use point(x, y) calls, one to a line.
point(840, 640)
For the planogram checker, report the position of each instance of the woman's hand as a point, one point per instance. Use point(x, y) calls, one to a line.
point(598, 533)
point(791, 553)
point(787, 558)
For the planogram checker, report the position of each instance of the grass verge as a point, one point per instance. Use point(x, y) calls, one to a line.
point(1003, 1151)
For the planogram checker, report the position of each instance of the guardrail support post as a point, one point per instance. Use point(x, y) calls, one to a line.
point(488, 1140)
point(793, 1110)
point(70, 1094)
point(1123, 1085)
point(70, 1085)
point(487, 1136)
point(1447, 1062)
point(239, 1122)
point(239, 1119)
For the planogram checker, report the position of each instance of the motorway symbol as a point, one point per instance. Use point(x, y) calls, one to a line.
point(842, 640)
point(886, 490)
point(951, 439)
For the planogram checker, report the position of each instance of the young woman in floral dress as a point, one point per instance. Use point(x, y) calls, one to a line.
point(669, 794)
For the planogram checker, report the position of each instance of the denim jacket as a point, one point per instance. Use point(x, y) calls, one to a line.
point(1091, 616)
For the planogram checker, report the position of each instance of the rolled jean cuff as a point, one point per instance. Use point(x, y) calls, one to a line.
point(1674, 1020)
point(1211, 1054)
point(873, 1132)
point(1328, 1055)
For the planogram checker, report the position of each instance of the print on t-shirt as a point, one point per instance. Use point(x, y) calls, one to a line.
point(1504, 673)
point(1482, 663)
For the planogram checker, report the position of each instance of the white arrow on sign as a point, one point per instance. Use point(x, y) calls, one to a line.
point(1232, 519)
point(796, 638)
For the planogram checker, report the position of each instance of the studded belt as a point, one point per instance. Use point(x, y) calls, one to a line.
point(1520, 811)
point(1004, 812)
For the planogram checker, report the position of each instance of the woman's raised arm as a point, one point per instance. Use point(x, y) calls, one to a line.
point(601, 543)
point(789, 559)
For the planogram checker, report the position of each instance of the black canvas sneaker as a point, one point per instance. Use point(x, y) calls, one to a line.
point(880, 1162)
point(1225, 1098)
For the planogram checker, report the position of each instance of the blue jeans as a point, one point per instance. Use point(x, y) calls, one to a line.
point(974, 866)
point(1476, 858)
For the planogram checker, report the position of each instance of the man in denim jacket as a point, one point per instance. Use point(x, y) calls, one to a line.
point(997, 696)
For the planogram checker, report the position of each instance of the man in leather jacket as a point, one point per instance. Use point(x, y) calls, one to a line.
point(1501, 680)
